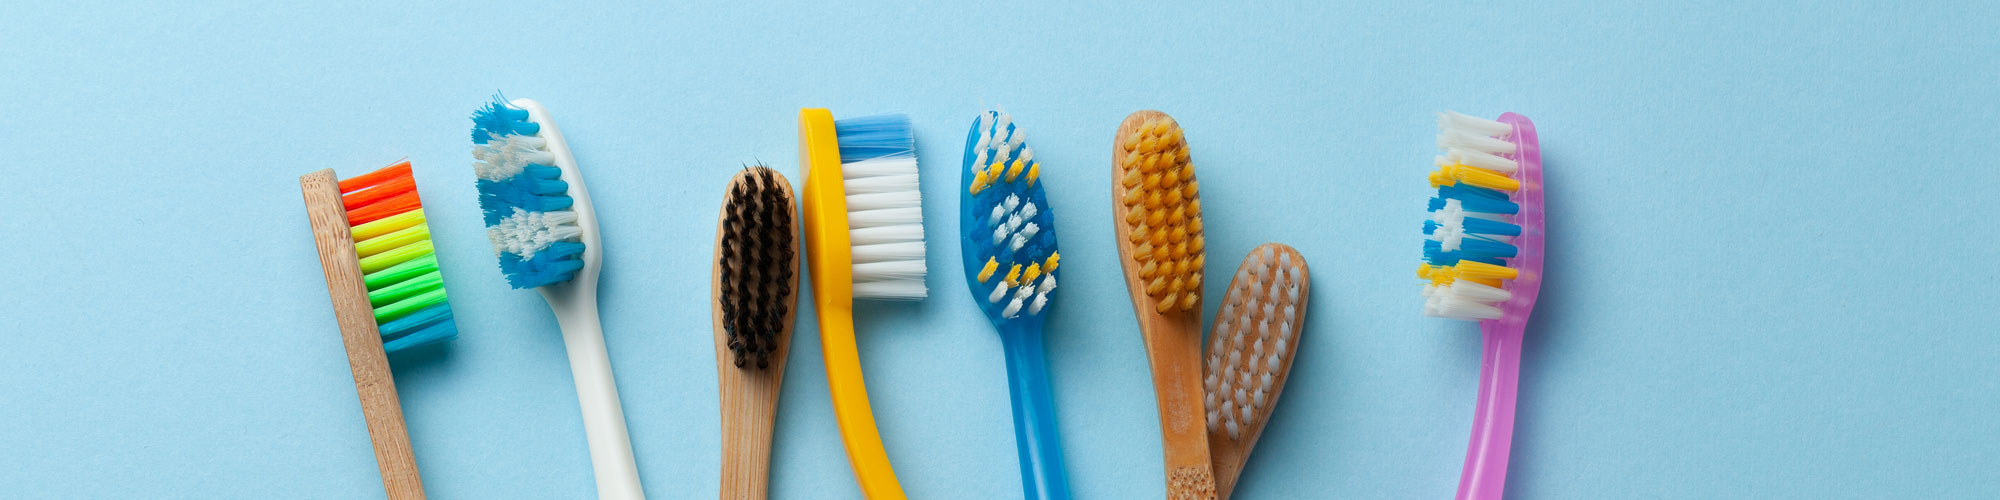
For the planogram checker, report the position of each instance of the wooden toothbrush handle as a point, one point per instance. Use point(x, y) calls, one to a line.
point(1173, 348)
point(749, 414)
point(372, 380)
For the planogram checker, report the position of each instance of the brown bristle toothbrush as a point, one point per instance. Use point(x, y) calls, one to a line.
point(1158, 217)
point(1250, 352)
point(755, 287)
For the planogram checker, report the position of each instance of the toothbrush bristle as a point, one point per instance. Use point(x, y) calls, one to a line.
point(756, 261)
point(1010, 251)
point(398, 264)
point(878, 164)
point(1157, 186)
point(1256, 333)
point(524, 199)
point(1472, 226)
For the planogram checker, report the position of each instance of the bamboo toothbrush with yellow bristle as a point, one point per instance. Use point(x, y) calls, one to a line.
point(1250, 353)
point(755, 287)
point(1158, 217)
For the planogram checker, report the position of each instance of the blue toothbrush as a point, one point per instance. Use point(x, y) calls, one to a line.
point(1009, 246)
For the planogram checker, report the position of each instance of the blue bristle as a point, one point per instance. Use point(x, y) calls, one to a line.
point(437, 332)
point(416, 321)
point(536, 189)
point(498, 119)
point(874, 137)
point(556, 264)
point(1434, 254)
point(1475, 225)
point(1475, 199)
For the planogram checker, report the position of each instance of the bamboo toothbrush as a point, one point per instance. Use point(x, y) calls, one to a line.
point(1483, 259)
point(1009, 248)
point(539, 219)
point(755, 287)
point(1158, 215)
point(387, 296)
point(1250, 352)
point(864, 240)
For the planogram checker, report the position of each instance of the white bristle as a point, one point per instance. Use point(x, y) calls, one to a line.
point(1048, 283)
point(1254, 332)
point(1456, 120)
point(1460, 139)
point(878, 201)
point(525, 233)
point(505, 156)
point(1013, 309)
point(887, 166)
point(999, 216)
point(885, 234)
point(885, 217)
point(1481, 159)
point(888, 252)
point(999, 292)
point(882, 184)
point(1041, 300)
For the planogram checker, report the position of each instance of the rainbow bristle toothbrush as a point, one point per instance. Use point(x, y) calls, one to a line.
point(1009, 248)
point(539, 219)
point(387, 295)
point(864, 240)
point(1483, 258)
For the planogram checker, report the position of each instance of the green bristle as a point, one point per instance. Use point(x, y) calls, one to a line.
point(392, 293)
point(401, 308)
point(400, 272)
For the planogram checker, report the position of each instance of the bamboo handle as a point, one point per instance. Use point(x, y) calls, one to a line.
point(372, 380)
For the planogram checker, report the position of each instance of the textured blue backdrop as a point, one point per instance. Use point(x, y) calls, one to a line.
point(1770, 261)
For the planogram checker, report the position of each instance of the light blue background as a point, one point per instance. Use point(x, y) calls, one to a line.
point(1772, 236)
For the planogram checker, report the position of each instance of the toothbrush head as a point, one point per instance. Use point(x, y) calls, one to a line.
point(885, 214)
point(1008, 231)
point(1250, 353)
point(398, 264)
point(756, 267)
point(1158, 212)
point(1483, 251)
point(526, 192)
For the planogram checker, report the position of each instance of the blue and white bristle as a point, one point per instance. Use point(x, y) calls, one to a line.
point(1010, 232)
point(885, 214)
point(524, 198)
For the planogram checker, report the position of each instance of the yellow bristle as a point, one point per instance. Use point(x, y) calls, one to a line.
point(1014, 275)
point(1014, 172)
point(1450, 175)
point(1050, 264)
point(1475, 270)
point(986, 273)
point(368, 247)
point(1034, 271)
point(388, 225)
point(979, 182)
point(1034, 172)
point(1163, 213)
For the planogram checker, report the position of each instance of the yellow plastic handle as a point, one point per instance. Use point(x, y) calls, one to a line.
point(830, 260)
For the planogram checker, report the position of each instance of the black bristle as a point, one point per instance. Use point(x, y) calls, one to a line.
point(756, 259)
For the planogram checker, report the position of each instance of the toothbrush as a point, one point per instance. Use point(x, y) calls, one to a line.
point(755, 286)
point(1010, 255)
point(864, 240)
point(1158, 215)
point(388, 296)
point(1250, 354)
point(539, 219)
point(1483, 258)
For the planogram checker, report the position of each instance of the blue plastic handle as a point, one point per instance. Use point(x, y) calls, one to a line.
point(1039, 443)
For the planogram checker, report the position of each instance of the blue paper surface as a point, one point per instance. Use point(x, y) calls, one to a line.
point(1770, 239)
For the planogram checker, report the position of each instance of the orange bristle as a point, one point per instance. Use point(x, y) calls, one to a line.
point(393, 187)
point(400, 169)
point(375, 211)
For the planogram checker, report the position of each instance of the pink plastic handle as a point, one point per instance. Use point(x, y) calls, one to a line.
point(1485, 474)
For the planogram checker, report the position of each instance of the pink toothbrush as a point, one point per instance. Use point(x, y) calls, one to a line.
point(1484, 262)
